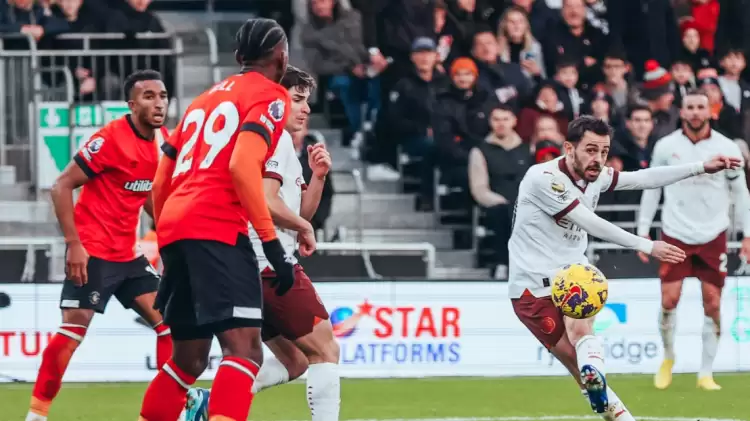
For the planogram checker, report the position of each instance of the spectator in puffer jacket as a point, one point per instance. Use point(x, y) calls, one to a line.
point(334, 50)
point(505, 80)
point(461, 121)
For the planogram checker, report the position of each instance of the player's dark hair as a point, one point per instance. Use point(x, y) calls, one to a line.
point(694, 92)
point(586, 123)
point(256, 39)
point(139, 76)
point(638, 107)
point(296, 77)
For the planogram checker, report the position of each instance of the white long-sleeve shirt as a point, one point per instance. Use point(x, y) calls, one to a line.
point(550, 227)
point(696, 211)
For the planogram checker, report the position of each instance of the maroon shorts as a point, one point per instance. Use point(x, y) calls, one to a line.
point(294, 314)
point(707, 262)
point(541, 317)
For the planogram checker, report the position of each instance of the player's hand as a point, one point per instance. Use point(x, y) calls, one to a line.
point(667, 253)
point(745, 249)
point(319, 159)
point(641, 255)
point(307, 244)
point(721, 162)
point(284, 280)
point(76, 261)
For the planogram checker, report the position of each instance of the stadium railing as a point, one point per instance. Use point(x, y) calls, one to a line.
point(31, 76)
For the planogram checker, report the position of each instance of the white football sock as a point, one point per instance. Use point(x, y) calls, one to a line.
point(324, 391)
point(35, 417)
point(711, 333)
point(666, 328)
point(589, 351)
point(617, 410)
point(271, 373)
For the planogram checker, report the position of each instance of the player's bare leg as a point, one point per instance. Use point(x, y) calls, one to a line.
point(55, 359)
point(323, 381)
point(670, 297)
point(289, 363)
point(711, 334)
point(165, 395)
point(589, 357)
point(144, 306)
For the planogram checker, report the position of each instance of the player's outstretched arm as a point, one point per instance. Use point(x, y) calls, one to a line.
point(649, 205)
point(661, 176)
point(320, 163)
point(598, 227)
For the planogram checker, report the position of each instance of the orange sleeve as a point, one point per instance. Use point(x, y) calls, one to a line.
point(97, 155)
point(246, 166)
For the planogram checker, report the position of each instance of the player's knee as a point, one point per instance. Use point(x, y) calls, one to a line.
point(711, 308)
point(193, 366)
point(669, 301)
point(77, 316)
point(296, 366)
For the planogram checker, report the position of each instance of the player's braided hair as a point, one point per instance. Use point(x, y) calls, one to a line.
point(257, 38)
point(139, 76)
point(296, 77)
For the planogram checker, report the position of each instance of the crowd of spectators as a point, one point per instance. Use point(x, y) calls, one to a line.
point(482, 89)
point(95, 78)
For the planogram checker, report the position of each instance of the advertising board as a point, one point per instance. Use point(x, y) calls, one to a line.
point(399, 329)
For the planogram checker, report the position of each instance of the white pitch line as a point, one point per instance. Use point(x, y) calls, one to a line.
point(550, 418)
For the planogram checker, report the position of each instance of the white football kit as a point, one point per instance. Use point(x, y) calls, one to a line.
point(554, 215)
point(696, 210)
point(284, 166)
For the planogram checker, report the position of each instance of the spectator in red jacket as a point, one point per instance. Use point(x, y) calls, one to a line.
point(706, 16)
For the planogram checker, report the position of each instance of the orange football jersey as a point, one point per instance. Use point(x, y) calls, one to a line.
point(202, 203)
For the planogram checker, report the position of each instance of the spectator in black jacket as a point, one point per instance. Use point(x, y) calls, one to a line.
point(461, 121)
point(409, 115)
point(647, 30)
point(724, 118)
point(463, 19)
point(332, 40)
point(30, 18)
point(574, 37)
point(505, 80)
point(635, 138)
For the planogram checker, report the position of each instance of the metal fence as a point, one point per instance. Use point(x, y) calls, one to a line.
point(84, 69)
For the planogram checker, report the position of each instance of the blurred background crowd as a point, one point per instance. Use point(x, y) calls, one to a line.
point(465, 95)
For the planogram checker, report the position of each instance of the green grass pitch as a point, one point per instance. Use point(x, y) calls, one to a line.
point(456, 399)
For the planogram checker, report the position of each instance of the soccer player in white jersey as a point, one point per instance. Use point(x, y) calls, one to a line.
point(695, 218)
point(554, 214)
point(296, 326)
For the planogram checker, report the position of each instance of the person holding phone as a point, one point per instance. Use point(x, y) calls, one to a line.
point(518, 45)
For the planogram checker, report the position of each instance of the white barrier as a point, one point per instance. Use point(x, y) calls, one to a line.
point(401, 329)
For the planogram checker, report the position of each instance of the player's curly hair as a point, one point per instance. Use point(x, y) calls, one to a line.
point(586, 123)
point(296, 77)
point(256, 39)
point(139, 76)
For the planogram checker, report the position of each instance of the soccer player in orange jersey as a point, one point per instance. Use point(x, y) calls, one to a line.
point(115, 169)
point(208, 186)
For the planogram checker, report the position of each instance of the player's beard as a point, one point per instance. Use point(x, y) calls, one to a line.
point(695, 129)
point(583, 171)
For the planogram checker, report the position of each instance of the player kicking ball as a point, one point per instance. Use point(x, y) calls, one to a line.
point(295, 326)
point(695, 217)
point(115, 168)
point(554, 215)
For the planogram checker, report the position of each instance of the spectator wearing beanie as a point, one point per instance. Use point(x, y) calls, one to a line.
point(656, 91)
point(706, 17)
point(724, 118)
point(691, 50)
point(462, 120)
